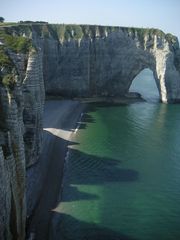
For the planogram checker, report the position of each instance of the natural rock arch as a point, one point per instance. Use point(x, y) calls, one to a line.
point(144, 84)
point(104, 62)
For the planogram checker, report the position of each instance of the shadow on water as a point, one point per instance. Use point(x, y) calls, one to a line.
point(87, 118)
point(92, 107)
point(81, 122)
point(89, 169)
point(47, 177)
point(82, 230)
point(77, 195)
point(84, 169)
point(84, 119)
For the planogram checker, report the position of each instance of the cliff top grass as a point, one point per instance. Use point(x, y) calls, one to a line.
point(14, 40)
point(74, 31)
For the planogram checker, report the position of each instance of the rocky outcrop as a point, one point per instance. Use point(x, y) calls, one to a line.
point(21, 106)
point(33, 89)
point(103, 61)
point(13, 162)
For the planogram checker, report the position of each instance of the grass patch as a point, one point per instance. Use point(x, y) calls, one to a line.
point(17, 44)
point(65, 32)
point(5, 61)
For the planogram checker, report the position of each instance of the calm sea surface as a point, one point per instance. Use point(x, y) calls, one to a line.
point(122, 177)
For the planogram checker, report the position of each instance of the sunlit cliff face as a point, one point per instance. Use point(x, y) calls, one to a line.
point(103, 61)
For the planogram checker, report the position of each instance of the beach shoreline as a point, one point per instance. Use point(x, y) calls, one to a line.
point(130, 97)
point(44, 179)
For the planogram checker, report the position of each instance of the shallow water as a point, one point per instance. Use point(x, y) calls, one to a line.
point(122, 179)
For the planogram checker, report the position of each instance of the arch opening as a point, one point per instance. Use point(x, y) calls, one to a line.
point(145, 84)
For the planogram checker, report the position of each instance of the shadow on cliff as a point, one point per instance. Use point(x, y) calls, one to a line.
point(66, 227)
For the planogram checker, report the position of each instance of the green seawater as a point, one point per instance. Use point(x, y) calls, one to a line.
point(122, 175)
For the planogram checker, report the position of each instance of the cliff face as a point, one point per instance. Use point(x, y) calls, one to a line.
point(21, 106)
point(87, 61)
point(103, 61)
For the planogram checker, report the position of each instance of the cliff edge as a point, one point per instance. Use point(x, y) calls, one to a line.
point(100, 61)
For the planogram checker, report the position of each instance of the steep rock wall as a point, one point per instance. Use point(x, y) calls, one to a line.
point(21, 106)
point(103, 61)
point(90, 61)
point(13, 161)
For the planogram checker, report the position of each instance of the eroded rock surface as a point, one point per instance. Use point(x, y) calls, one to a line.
point(21, 106)
point(103, 61)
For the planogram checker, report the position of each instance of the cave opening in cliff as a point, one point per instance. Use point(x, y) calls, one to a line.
point(145, 84)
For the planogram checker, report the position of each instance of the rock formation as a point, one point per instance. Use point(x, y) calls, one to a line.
point(21, 106)
point(71, 61)
point(99, 61)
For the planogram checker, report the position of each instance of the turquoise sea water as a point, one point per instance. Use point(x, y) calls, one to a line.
point(122, 177)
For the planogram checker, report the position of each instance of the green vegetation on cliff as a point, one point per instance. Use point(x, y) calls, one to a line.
point(11, 41)
point(6, 64)
point(65, 32)
point(144, 31)
point(6, 68)
point(5, 61)
point(17, 38)
point(17, 44)
point(150, 33)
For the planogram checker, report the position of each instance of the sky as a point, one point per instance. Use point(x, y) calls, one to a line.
point(162, 14)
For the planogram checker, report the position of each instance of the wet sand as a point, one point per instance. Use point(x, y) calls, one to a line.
point(44, 179)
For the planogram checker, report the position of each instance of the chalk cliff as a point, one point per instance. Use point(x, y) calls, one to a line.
point(21, 107)
point(71, 61)
point(103, 61)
